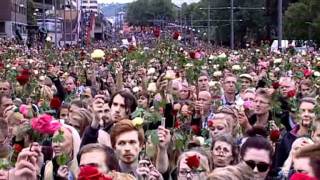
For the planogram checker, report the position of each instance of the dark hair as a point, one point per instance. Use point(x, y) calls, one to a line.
point(129, 101)
point(256, 142)
point(111, 160)
point(79, 103)
point(230, 140)
point(257, 131)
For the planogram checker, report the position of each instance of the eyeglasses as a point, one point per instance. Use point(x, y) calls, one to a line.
point(261, 166)
point(193, 173)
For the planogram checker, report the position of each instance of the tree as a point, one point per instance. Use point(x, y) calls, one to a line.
point(144, 12)
point(31, 19)
point(302, 20)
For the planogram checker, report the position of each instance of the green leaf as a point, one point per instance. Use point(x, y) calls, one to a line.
point(154, 137)
point(58, 138)
point(62, 159)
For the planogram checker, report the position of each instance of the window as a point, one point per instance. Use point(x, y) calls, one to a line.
point(2, 27)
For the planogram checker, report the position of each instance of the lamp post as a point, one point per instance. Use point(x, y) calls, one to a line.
point(55, 24)
point(15, 15)
point(279, 25)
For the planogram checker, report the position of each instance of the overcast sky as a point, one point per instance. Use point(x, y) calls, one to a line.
point(178, 2)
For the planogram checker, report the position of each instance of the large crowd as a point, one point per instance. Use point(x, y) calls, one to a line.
point(151, 105)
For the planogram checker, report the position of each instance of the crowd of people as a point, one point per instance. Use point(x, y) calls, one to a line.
point(155, 108)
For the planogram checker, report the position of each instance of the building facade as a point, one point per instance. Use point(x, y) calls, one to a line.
point(90, 5)
point(13, 19)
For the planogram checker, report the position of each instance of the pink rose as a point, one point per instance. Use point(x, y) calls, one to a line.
point(44, 124)
point(23, 109)
point(197, 55)
point(248, 104)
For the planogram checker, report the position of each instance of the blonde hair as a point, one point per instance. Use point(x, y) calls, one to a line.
point(295, 147)
point(240, 171)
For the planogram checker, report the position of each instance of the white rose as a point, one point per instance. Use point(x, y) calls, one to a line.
point(179, 38)
point(217, 74)
point(151, 71)
point(212, 83)
point(200, 140)
point(277, 69)
point(152, 87)
point(277, 61)
point(8, 66)
point(41, 78)
point(135, 89)
point(318, 58)
point(211, 57)
point(13, 68)
point(170, 75)
point(316, 73)
point(188, 65)
point(204, 67)
point(236, 67)
point(30, 61)
point(216, 66)
point(36, 72)
point(303, 53)
point(223, 55)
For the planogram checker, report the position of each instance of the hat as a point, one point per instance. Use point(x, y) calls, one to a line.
point(247, 76)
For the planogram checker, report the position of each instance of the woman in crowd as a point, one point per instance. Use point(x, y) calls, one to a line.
point(64, 164)
point(224, 151)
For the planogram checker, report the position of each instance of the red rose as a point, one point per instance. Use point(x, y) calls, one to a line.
point(274, 135)
point(301, 176)
point(55, 103)
point(275, 85)
point(307, 73)
point(1, 65)
point(22, 79)
point(192, 55)
point(195, 129)
point(25, 72)
point(193, 162)
point(177, 124)
point(210, 123)
point(90, 172)
point(156, 33)
point(17, 148)
point(176, 35)
point(291, 93)
point(131, 48)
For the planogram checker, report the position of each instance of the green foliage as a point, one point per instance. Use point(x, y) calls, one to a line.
point(63, 159)
point(302, 20)
point(30, 10)
point(143, 12)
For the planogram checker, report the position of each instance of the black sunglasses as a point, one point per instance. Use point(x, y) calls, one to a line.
point(261, 166)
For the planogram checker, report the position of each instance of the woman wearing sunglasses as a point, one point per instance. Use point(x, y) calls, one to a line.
point(257, 153)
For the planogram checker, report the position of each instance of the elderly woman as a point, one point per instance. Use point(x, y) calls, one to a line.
point(69, 147)
point(224, 151)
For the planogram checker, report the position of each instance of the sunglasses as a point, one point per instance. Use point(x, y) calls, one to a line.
point(261, 166)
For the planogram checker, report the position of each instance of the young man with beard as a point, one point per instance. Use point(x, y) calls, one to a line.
point(306, 117)
point(127, 140)
point(122, 104)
